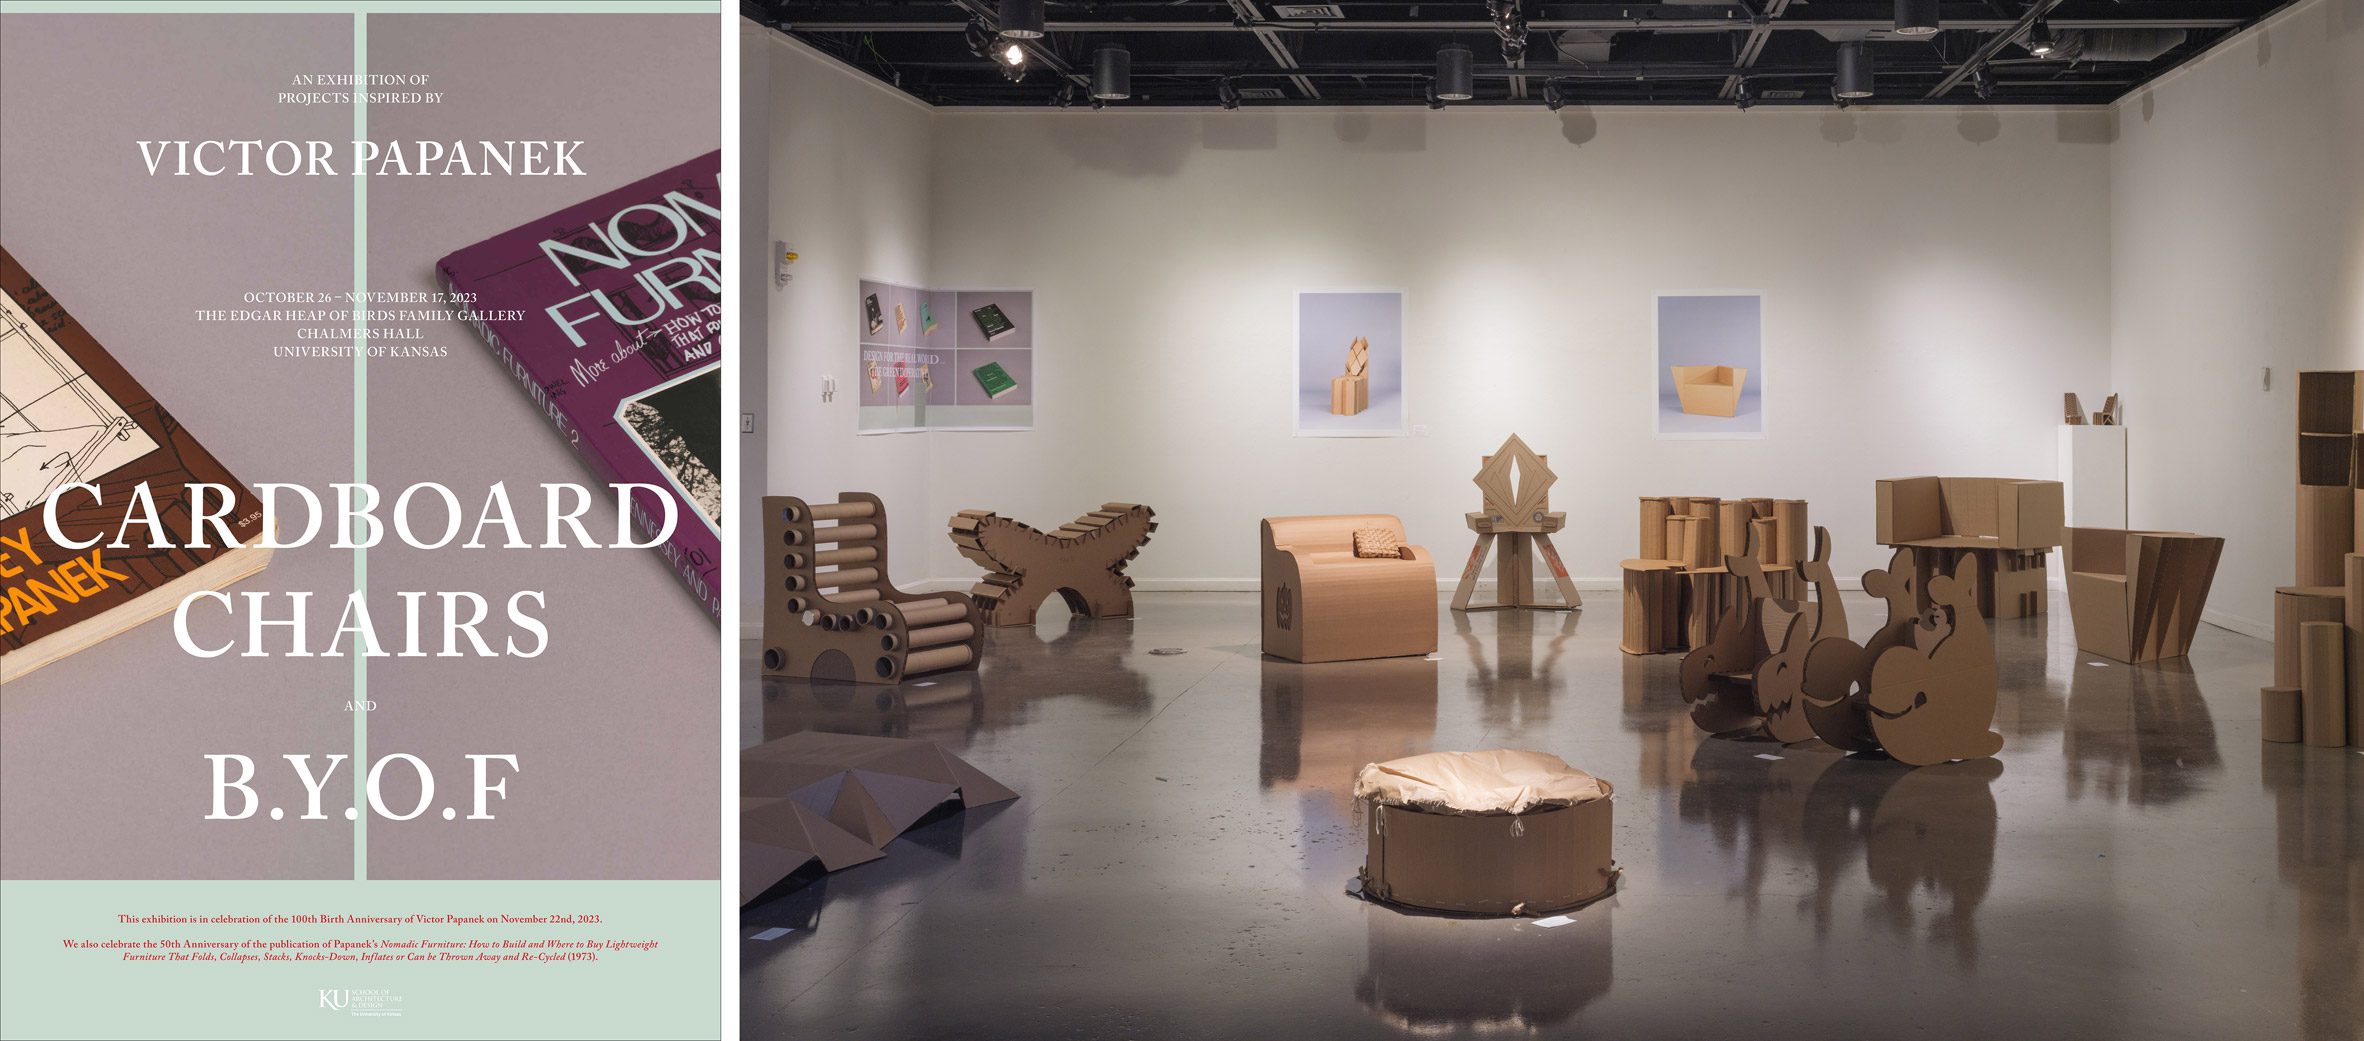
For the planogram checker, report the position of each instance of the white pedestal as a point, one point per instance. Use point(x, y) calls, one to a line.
point(2093, 475)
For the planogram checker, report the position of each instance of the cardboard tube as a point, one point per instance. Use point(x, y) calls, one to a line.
point(849, 555)
point(855, 510)
point(1790, 516)
point(2279, 707)
point(853, 596)
point(2326, 526)
point(2292, 610)
point(933, 614)
point(942, 634)
point(1654, 514)
point(2355, 627)
point(843, 577)
point(795, 605)
point(1732, 524)
point(1760, 507)
point(845, 533)
point(2323, 687)
point(795, 583)
point(1768, 537)
point(936, 658)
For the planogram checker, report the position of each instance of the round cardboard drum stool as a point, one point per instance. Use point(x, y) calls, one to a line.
point(1497, 832)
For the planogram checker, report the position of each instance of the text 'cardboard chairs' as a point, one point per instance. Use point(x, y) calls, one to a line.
point(1082, 560)
point(2003, 526)
point(840, 799)
point(2136, 596)
point(1326, 599)
point(1350, 393)
point(1681, 585)
point(848, 623)
point(2318, 691)
point(1709, 390)
point(1516, 522)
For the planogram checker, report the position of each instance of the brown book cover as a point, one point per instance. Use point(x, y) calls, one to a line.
point(69, 413)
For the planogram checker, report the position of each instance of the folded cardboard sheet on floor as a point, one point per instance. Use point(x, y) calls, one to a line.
point(840, 798)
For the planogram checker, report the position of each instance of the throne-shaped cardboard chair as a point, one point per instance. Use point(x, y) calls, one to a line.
point(1516, 523)
point(1323, 602)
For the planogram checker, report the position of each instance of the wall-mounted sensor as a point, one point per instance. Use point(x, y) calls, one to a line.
point(782, 256)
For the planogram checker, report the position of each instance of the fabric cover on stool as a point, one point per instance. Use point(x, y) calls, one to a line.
point(1495, 832)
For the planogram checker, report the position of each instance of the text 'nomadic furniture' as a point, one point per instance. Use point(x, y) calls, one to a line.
point(829, 612)
point(1516, 522)
point(1340, 588)
point(1082, 560)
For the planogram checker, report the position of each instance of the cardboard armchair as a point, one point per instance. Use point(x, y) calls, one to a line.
point(1323, 603)
point(2136, 596)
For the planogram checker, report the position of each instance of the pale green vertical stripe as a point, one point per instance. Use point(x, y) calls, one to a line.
point(360, 764)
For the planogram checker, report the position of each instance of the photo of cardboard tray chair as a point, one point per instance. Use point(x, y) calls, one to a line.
point(2136, 596)
point(1347, 587)
point(2003, 525)
point(1709, 390)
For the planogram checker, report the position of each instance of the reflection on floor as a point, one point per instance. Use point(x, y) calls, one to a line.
point(1176, 867)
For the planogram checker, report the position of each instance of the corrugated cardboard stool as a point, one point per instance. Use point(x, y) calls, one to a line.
point(1490, 833)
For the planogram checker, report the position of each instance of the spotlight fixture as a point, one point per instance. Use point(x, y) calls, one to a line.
point(1511, 25)
point(1744, 97)
point(1021, 19)
point(1011, 59)
point(1227, 94)
point(980, 39)
point(1916, 17)
point(1984, 83)
point(1434, 101)
point(2039, 39)
point(1854, 78)
point(1065, 97)
point(1552, 98)
point(1112, 73)
point(1453, 73)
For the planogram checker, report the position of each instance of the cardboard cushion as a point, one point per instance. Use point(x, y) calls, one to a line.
point(1377, 542)
point(1488, 783)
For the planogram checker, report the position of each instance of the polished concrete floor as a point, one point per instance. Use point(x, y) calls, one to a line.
point(2136, 864)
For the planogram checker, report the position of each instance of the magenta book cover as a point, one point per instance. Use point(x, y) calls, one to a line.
point(609, 314)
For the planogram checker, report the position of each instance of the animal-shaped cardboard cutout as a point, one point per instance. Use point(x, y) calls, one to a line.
point(1083, 561)
point(1837, 666)
point(1933, 698)
point(1716, 675)
point(1781, 678)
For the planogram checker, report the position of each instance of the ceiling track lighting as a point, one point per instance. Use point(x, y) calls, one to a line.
point(1552, 98)
point(1511, 25)
point(1434, 101)
point(1984, 83)
point(980, 39)
point(1455, 73)
point(2039, 40)
point(1744, 97)
point(1010, 57)
point(1854, 79)
point(1022, 19)
point(1227, 95)
point(1112, 73)
point(1916, 17)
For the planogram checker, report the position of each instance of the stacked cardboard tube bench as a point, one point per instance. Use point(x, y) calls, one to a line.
point(830, 612)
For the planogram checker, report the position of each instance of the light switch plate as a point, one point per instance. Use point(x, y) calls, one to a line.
point(746, 422)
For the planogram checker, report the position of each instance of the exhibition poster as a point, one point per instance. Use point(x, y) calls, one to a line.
point(944, 359)
point(360, 511)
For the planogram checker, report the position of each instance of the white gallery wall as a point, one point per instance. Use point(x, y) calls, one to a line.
point(1933, 280)
point(2237, 243)
point(849, 169)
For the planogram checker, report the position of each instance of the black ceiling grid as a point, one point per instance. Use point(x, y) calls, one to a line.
point(1195, 53)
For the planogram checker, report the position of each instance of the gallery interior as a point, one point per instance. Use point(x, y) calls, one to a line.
point(1363, 520)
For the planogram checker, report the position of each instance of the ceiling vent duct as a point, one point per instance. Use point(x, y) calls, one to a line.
point(1583, 46)
point(1308, 12)
point(2122, 44)
point(1261, 94)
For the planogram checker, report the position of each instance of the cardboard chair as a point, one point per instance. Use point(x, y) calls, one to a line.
point(1682, 585)
point(1082, 560)
point(1350, 393)
point(1709, 390)
point(829, 612)
point(2136, 596)
point(1323, 603)
point(1516, 523)
point(2004, 525)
